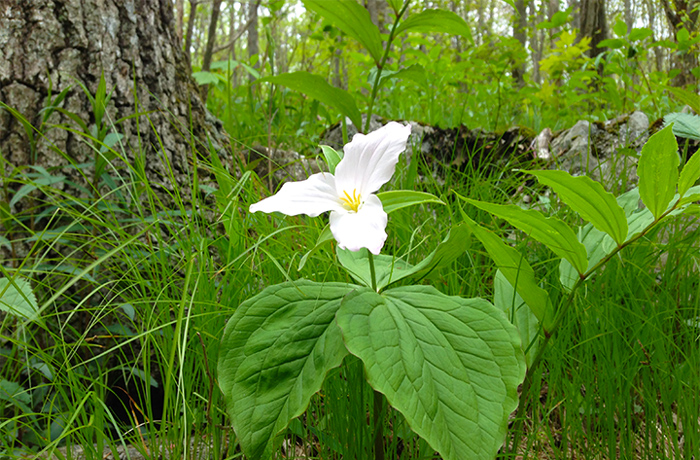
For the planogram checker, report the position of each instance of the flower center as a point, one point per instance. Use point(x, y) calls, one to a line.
point(351, 203)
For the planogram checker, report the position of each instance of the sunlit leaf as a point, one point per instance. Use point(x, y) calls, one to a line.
point(318, 88)
point(436, 20)
point(658, 171)
point(450, 365)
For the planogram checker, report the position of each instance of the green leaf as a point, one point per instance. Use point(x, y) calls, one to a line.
point(350, 17)
point(415, 72)
point(332, 157)
point(450, 365)
point(324, 237)
point(690, 174)
point(274, 355)
point(17, 298)
point(598, 244)
point(517, 271)
point(397, 199)
point(658, 171)
point(436, 20)
point(640, 34)
point(318, 88)
point(506, 298)
point(36, 184)
point(684, 124)
point(389, 269)
point(620, 28)
point(686, 97)
point(205, 78)
point(613, 43)
point(589, 199)
point(550, 231)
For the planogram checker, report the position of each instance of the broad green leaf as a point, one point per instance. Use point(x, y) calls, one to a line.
point(436, 20)
point(386, 268)
point(589, 199)
point(397, 199)
point(690, 174)
point(550, 231)
point(274, 355)
point(206, 78)
point(17, 298)
point(658, 171)
point(318, 88)
point(14, 393)
point(332, 157)
point(684, 124)
point(350, 17)
point(598, 244)
point(620, 28)
point(507, 299)
point(516, 270)
point(389, 270)
point(416, 73)
point(689, 98)
point(640, 33)
point(450, 365)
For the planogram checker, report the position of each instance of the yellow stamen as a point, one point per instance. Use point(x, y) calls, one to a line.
point(351, 203)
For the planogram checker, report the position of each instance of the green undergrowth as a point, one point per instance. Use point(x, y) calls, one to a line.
point(133, 287)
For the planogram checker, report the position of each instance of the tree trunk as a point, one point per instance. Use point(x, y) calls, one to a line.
point(683, 14)
point(211, 40)
point(594, 24)
point(520, 34)
point(190, 29)
point(56, 43)
point(253, 43)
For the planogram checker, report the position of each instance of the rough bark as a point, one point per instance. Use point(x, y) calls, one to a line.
point(190, 28)
point(211, 40)
point(594, 24)
point(131, 42)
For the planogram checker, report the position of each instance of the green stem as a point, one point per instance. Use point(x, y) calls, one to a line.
point(561, 312)
point(371, 270)
point(378, 426)
point(380, 65)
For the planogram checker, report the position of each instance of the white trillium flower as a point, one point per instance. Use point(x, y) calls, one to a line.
point(357, 218)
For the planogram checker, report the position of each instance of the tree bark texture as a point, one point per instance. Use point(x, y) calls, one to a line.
point(133, 42)
point(253, 43)
point(594, 24)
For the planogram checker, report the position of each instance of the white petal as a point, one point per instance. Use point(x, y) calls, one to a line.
point(370, 160)
point(312, 196)
point(363, 229)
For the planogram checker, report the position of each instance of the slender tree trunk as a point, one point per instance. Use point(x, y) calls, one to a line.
point(179, 15)
point(253, 42)
point(211, 40)
point(190, 29)
point(520, 34)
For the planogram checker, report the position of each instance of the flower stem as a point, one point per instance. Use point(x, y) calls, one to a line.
point(378, 426)
point(371, 270)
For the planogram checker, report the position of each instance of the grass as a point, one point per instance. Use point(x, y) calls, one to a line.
point(134, 297)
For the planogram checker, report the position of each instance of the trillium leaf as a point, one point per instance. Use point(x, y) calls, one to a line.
point(415, 72)
point(516, 270)
point(350, 17)
point(450, 365)
point(389, 269)
point(274, 355)
point(318, 88)
point(589, 199)
point(397, 199)
point(658, 171)
point(17, 298)
point(436, 20)
point(332, 157)
point(550, 231)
